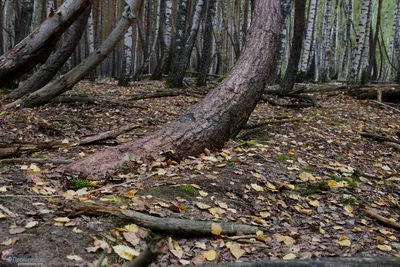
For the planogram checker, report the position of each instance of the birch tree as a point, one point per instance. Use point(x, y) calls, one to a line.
point(360, 43)
point(312, 18)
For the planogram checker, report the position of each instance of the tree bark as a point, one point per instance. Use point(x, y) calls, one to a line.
point(54, 63)
point(23, 23)
point(207, 45)
point(219, 117)
point(39, 44)
point(67, 81)
point(297, 43)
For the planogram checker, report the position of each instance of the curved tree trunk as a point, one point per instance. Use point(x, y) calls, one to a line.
point(67, 81)
point(40, 43)
point(54, 63)
point(219, 117)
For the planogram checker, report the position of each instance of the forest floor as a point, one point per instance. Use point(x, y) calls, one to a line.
point(304, 179)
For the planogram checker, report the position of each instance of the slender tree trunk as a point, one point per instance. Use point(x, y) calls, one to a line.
point(24, 20)
point(305, 62)
point(326, 50)
point(54, 63)
point(360, 43)
point(297, 43)
point(219, 117)
point(205, 61)
point(67, 81)
point(40, 43)
point(125, 76)
point(397, 40)
point(181, 60)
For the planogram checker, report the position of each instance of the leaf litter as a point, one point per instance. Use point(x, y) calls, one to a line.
point(302, 183)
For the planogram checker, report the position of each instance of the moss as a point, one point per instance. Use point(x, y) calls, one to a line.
point(118, 200)
point(170, 193)
point(309, 169)
point(221, 78)
point(125, 169)
point(349, 201)
point(335, 123)
point(285, 158)
point(311, 189)
point(189, 189)
point(76, 183)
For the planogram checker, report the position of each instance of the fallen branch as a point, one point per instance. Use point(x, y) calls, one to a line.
point(156, 94)
point(108, 134)
point(37, 160)
point(147, 256)
point(387, 106)
point(380, 138)
point(167, 225)
point(9, 150)
point(261, 124)
point(320, 262)
point(394, 145)
point(8, 212)
point(381, 219)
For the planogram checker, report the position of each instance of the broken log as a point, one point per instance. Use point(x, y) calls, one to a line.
point(73, 99)
point(165, 225)
point(320, 262)
point(9, 150)
point(107, 135)
point(156, 94)
point(389, 96)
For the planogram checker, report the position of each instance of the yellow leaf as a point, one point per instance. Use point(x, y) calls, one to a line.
point(384, 247)
point(163, 204)
point(285, 239)
point(236, 250)
point(125, 252)
point(357, 229)
point(344, 241)
point(256, 174)
point(314, 203)
point(289, 256)
point(348, 208)
point(202, 206)
point(271, 187)
point(332, 183)
point(380, 239)
point(213, 211)
point(195, 186)
point(216, 229)
point(3, 189)
point(305, 177)
point(252, 142)
point(305, 211)
point(10, 241)
point(265, 214)
point(337, 227)
point(31, 224)
point(257, 187)
point(132, 228)
point(210, 255)
point(2, 216)
point(260, 236)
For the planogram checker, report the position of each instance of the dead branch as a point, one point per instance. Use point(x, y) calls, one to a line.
point(107, 135)
point(319, 262)
point(379, 138)
point(387, 106)
point(154, 248)
point(381, 219)
point(167, 225)
point(9, 150)
point(37, 160)
point(73, 99)
point(394, 145)
point(156, 94)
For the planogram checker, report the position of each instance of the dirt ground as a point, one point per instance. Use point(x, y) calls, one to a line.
point(304, 183)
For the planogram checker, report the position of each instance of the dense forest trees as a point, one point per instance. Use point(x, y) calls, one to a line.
point(340, 39)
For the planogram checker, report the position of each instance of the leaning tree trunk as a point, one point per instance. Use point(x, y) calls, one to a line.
point(40, 43)
point(219, 117)
point(297, 43)
point(67, 81)
point(54, 63)
point(207, 45)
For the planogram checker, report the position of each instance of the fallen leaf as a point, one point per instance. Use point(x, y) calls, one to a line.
point(384, 247)
point(74, 257)
point(289, 256)
point(236, 250)
point(210, 255)
point(257, 187)
point(344, 241)
point(125, 252)
point(31, 224)
point(216, 229)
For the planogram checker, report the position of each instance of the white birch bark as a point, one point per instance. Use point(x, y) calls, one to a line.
point(360, 43)
point(326, 48)
point(90, 31)
point(49, 8)
point(306, 58)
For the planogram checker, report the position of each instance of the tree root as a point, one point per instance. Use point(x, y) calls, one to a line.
point(167, 225)
point(379, 218)
point(310, 101)
point(147, 256)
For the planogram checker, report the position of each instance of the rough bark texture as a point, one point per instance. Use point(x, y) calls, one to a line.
point(67, 81)
point(297, 43)
point(207, 45)
point(24, 20)
point(54, 63)
point(219, 117)
point(39, 44)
